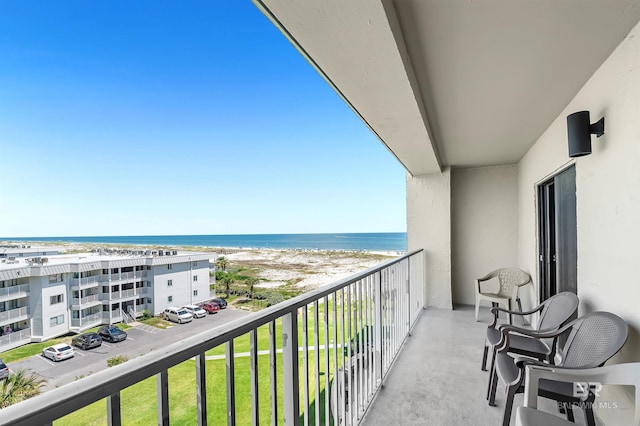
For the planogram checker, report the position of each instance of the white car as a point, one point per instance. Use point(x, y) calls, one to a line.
point(58, 352)
point(196, 311)
point(178, 315)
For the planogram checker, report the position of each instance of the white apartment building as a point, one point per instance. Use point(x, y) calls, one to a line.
point(45, 297)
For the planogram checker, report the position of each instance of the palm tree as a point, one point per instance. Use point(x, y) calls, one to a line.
point(222, 263)
point(227, 281)
point(251, 282)
point(19, 386)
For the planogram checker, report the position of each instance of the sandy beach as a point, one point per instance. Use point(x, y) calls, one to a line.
point(303, 269)
point(306, 269)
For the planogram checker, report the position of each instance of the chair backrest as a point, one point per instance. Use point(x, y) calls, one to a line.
point(510, 278)
point(557, 310)
point(594, 338)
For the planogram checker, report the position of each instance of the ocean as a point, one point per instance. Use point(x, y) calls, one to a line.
point(377, 241)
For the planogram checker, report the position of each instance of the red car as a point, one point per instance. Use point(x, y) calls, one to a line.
point(210, 307)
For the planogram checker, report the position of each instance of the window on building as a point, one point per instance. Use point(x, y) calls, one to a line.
point(55, 278)
point(169, 266)
point(56, 320)
point(148, 300)
point(58, 298)
point(195, 278)
point(195, 292)
point(169, 283)
point(194, 263)
point(170, 299)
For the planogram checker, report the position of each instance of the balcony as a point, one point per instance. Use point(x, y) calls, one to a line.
point(124, 294)
point(124, 276)
point(85, 283)
point(15, 339)
point(87, 321)
point(112, 316)
point(14, 315)
point(319, 356)
point(87, 300)
point(14, 292)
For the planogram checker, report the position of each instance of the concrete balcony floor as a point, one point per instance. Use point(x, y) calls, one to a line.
point(437, 380)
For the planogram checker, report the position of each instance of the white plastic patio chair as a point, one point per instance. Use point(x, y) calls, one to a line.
point(510, 280)
point(618, 374)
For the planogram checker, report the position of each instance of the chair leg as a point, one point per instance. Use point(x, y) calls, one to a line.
point(510, 316)
point(484, 358)
point(493, 385)
point(492, 371)
point(508, 405)
point(570, 417)
point(477, 307)
point(588, 414)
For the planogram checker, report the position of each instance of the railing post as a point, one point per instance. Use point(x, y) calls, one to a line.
point(255, 402)
point(162, 389)
point(201, 389)
point(113, 410)
point(231, 384)
point(291, 379)
point(377, 327)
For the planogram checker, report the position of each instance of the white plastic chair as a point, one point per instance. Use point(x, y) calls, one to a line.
point(618, 374)
point(510, 279)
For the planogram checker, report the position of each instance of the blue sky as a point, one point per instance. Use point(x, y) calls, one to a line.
point(158, 117)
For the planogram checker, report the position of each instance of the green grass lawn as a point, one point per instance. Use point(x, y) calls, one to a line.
point(139, 406)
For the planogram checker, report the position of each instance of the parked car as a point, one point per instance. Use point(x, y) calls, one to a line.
point(111, 333)
point(221, 302)
point(210, 307)
point(58, 352)
point(87, 341)
point(178, 315)
point(196, 311)
point(4, 370)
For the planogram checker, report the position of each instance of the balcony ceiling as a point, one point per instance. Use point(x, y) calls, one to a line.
point(459, 83)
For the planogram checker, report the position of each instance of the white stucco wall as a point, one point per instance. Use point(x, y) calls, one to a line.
point(429, 227)
point(484, 207)
point(607, 190)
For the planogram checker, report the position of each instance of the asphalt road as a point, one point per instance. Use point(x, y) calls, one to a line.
point(141, 339)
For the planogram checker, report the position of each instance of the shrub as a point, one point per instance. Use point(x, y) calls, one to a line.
point(116, 360)
point(146, 315)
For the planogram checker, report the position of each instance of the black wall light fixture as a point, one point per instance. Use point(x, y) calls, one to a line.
point(580, 129)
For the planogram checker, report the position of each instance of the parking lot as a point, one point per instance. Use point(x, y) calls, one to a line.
point(141, 339)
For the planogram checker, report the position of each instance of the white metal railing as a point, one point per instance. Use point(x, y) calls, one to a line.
point(86, 282)
point(345, 336)
point(124, 276)
point(115, 314)
point(86, 321)
point(14, 314)
point(16, 336)
point(86, 299)
point(14, 292)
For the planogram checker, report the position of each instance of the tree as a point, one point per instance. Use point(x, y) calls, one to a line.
point(222, 263)
point(18, 387)
point(227, 281)
point(251, 282)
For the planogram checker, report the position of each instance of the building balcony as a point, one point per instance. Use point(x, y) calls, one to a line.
point(93, 299)
point(14, 292)
point(14, 315)
point(124, 294)
point(87, 321)
point(135, 275)
point(319, 358)
point(85, 283)
point(110, 317)
point(15, 339)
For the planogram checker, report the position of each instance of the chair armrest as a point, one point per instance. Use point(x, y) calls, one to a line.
point(538, 334)
point(490, 275)
point(496, 310)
